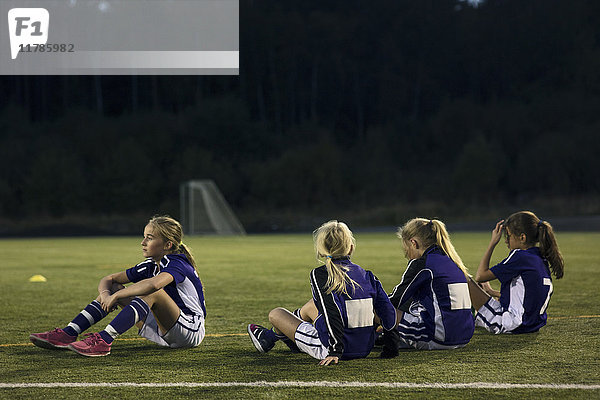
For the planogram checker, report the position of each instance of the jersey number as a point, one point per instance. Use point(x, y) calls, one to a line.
point(547, 282)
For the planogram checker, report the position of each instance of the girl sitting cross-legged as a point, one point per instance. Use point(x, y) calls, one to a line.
point(433, 296)
point(525, 276)
point(338, 323)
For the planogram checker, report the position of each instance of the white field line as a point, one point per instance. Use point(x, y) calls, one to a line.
point(293, 384)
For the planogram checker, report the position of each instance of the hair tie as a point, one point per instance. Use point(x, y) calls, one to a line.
point(328, 257)
point(540, 222)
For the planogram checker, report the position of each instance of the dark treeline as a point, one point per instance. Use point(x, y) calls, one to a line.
point(340, 105)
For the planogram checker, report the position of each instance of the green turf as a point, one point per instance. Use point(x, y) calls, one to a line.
point(244, 278)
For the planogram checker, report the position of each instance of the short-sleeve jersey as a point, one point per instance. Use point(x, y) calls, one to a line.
point(186, 288)
point(435, 286)
point(345, 324)
point(525, 287)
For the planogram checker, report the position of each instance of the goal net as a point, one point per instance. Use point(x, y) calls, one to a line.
point(204, 210)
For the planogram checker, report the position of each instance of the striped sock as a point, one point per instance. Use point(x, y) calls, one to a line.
point(91, 314)
point(136, 311)
point(279, 336)
point(289, 342)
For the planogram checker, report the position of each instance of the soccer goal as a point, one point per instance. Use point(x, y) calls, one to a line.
point(204, 210)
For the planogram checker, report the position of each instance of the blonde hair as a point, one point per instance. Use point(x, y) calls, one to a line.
point(536, 230)
point(170, 230)
point(334, 240)
point(431, 231)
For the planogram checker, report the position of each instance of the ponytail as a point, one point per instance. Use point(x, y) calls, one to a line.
point(334, 240)
point(443, 240)
point(188, 254)
point(537, 230)
point(337, 278)
point(549, 249)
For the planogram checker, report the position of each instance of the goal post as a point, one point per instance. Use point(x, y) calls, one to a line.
point(204, 210)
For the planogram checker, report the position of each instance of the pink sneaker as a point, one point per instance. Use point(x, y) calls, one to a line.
point(56, 339)
point(92, 346)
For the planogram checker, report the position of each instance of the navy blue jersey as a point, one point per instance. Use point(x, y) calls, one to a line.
point(525, 287)
point(436, 288)
point(186, 288)
point(345, 324)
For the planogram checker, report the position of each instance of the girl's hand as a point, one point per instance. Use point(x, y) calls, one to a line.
point(109, 303)
point(327, 360)
point(104, 295)
point(497, 233)
point(489, 290)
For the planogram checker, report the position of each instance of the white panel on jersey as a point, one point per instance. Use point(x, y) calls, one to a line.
point(459, 296)
point(360, 312)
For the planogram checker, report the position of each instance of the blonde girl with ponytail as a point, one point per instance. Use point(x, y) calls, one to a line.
point(432, 298)
point(525, 276)
point(165, 300)
point(338, 322)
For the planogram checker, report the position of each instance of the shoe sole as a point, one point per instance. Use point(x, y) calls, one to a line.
point(255, 341)
point(44, 344)
point(87, 354)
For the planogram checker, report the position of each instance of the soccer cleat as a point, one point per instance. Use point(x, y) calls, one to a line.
point(260, 338)
point(92, 346)
point(55, 339)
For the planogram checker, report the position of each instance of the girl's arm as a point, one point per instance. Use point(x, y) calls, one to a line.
point(107, 281)
point(141, 288)
point(105, 286)
point(385, 312)
point(483, 270)
point(327, 306)
point(489, 289)
point(412, 279)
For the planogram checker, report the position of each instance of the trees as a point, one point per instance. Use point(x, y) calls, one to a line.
point(399, 100)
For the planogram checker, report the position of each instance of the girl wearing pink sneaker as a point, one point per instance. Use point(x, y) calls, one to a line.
point(165, 300)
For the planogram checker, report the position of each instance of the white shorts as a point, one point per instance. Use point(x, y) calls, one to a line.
point(188, 331)
point(307, 340)
point(495, 319)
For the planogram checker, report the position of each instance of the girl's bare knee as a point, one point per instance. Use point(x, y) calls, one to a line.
point(275, 313)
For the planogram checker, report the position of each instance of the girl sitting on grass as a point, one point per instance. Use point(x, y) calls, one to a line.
point(433, 296)
point(166, 300)
point(525, 281)
point(346, 299)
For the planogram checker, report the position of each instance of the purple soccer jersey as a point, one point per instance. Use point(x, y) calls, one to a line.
point(434, 289)
point(186, 288)
point(345, 324)
point(525, 287)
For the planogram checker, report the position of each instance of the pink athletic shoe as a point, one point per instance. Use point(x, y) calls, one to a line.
point(56, 339)
point(92, 346)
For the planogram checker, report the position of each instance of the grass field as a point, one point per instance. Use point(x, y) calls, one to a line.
point(245, 277)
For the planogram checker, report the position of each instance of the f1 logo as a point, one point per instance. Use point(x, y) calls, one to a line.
point(28, 26)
